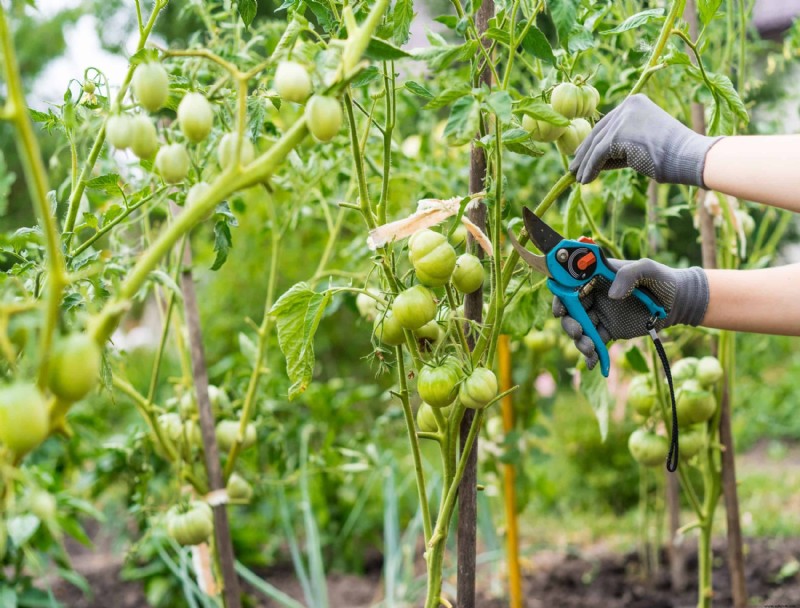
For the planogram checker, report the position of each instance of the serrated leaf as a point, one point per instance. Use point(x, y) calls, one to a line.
point(595, 388)
point(223, 241)
point(402, 16)
point(380, 50)
point(500, 104)
point(247, 10)
point(464, 121)
point(637, 20)
point(580, 39)
point(448, 96)
point(528, 308)
point(535, 43)
point(297, 314)
point(440, 57)
point(541, 111)
point(526, 148)
point(108, 183)
point(366, 76)
point(501, 36)
point(636, 360)
point(565, 16)
point(418, 90)
point(707, 9)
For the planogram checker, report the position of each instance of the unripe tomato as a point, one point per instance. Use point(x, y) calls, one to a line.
point(414, 307)
point(228, 431)
point(238, 488)
point(459, 236)
point(566, 99)
point(539, 341)
point(324, 117)
point(292, 82)
point(24, 419)
point(367, 306)
point(576, 132)
point(193, 527)
point(468, 274)
point(119, 131)
point(227, 150)
point(541, 130)
point(75, 367)
point(89, 87)
point(430, 331)
point(433, 258)
point(709, 371)
point(641, 396)
point(589, 100)
point(684, 369)
point(388, 329)
point(150, 85)
point(144, 141)
point(195, 117)
point(478, 389)
point(648, 448)
point(438, 386)
point(172, 163)
point(43, 505)
point(694, 404)
point(426, 421)
point(692, 440)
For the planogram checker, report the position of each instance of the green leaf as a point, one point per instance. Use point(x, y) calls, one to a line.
point(21, 528)
point(8, 597)
point(247, 10)
point(380, 50)
point(448, 96)
point(366, 76)
point(595, 388)
point(528, 308)
point(565, 16)
point(637, 20)
point(708, 8)
point(464, 121)
point(105, 183)
point(297, 315)
point(402, 16)
point(541, 111)
point(222, 243)
point(418, 90)
point(501, 36)
point(440, 56)
point(145, 55)
point(535, 43)
point(500, 104)
point(636, 360)
point(580, 39)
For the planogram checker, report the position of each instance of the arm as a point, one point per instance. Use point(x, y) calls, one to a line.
point(757, 168)
point(765, 301)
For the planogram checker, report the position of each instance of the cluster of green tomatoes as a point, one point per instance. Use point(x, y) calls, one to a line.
point(576, 102)
point(696, 403)
point(422, 310)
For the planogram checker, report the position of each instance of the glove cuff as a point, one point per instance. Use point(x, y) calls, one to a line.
point(691, 302)
point(685, 162)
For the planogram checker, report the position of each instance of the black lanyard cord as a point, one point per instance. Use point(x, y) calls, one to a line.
point(672, 457)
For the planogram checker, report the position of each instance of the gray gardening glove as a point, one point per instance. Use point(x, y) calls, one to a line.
point(640, 135)
point(683, 294)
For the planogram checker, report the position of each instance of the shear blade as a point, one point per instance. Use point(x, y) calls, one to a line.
point(542, 235)
point(535, 261)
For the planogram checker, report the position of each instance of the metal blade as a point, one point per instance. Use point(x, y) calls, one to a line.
point(544, 237)
point(535, 261)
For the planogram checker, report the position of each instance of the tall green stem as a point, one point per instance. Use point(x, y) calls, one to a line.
point(675, 11)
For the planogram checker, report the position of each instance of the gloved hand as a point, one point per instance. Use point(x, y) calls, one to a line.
point(640, 135)
point(683, 294)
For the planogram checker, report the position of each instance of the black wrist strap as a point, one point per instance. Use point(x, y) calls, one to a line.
point(672, 457)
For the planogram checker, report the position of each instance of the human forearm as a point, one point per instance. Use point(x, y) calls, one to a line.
point(758, 168)
point(763, 301)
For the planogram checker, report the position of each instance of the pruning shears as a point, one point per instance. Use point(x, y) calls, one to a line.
point(573, 268)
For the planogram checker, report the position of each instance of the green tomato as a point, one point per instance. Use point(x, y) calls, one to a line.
point(541, 130)
point(478, 389)
point(467, 276)
point(89, 87)
point(75, 367)
point(694, 404)
point(150, 85)
point(24, 419)
point(368, 306)
point(438, 386)
point(195, 117)
point(589, 100)
point(144, 141)
point(324, 117)
point(576, 132)
point(566, 99)
point(226, 151)
point(172, 163)
point(119, 131)
point(648, 448)
point(709, 371)
point(540, 341)
point(641, 396)
point(193, 527)
point(426, 421)
point(228, 431)
point(292, 82)
point(43, 505)
point(414, 307)
point(238, 488)
point(459, 236)
point(433, 258)
point(684, 369)
point(430, 332)
point(692, 440)
point(388, 329)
